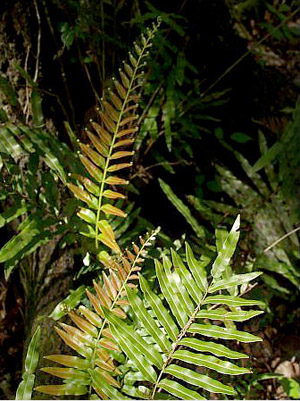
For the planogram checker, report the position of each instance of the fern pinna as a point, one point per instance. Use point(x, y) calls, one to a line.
point(166, 334)
point(114, 132)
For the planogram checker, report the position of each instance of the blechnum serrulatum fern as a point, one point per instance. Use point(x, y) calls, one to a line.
point(138, 338)
point(115, 132)
point(141, 344)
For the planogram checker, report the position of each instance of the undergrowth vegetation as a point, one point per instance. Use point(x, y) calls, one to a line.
point(149, 208)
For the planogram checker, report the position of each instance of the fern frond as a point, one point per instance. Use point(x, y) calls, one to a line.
point(110, 137)
point(24, 391)
point(178, 322)
point(92, 338)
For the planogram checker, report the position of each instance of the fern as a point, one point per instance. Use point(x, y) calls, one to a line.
point(115, 132)
point(187, 292)
point(92, 339)
point(28, 194)
point(267, 205)
point(123, 336)
point(166, 329)
point(25, 388)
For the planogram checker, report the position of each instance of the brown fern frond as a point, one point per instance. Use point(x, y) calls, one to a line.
point(91, 336)
point(108, 152)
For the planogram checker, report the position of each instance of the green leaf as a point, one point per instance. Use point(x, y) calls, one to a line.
point(212, 348)
point(70, 302)
point(210, 362)
point(39, 138)
point(12, 213)
point(10, 145)
point(18, 242)
point(138, 344)
point(149, 125)
point(179, 391)
point(28, 240)
point(107, 389)
point(227, 250)
point(160, 311)
point(24, 390)
point(14, 130)
point(278, 267)
point(186, 277)
point(68, 374)
point(137, 358)
point(183, 209)
point(178, 288)
point(291, 387)
point(198, 380)
point(211, 330)
point(67, 35)
point(170, 296)
point(240, 137)
point(87, 215)
point(214, 186)
point(233, 281)
point(149, 323)
point(69, 360)
point(36, 104)
point(63, 389)
point(222, 314)
point(197, 268)
point(231, 301)
point(268, 157)
point(8, 91)
point(219, 133)
point(133, 392)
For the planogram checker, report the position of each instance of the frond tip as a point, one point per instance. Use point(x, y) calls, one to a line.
point(110, 138)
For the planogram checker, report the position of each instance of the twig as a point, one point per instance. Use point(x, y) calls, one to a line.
point(86, 70)
point(281, 239)
point(58, 101)
point(38, 17)
point(26, 107)
point(160, 164)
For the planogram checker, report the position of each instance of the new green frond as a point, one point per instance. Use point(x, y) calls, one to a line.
point(181, 320)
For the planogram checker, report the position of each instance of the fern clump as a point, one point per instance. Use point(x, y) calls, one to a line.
point(167, 333)
point(132, 339)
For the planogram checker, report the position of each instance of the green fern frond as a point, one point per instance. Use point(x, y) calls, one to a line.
point(92, 338)
point(110, 139)
point(179, 320)
point(25, 152)
point(24, 391)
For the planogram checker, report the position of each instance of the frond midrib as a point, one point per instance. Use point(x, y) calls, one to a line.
point(181, 334)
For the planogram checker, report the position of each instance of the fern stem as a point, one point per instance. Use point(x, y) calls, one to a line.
point(175, 345)
point(115, 136)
